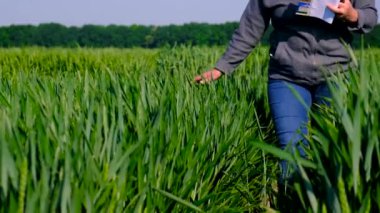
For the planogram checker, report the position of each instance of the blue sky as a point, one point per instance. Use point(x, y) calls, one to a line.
point(123, 12)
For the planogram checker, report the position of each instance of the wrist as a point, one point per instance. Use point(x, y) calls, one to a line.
point(353, 17)
point(218, 70)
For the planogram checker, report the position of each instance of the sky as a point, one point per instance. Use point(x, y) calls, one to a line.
point(120, 12)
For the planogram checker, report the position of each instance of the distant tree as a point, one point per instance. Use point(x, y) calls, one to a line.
point(4, 37)
point(21, 35)
point(92, 36)
point(52, 34)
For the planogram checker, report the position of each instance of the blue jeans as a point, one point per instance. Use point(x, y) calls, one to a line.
point(291, 116)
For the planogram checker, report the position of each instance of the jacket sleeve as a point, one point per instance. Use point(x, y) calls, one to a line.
point(367, 19)
point(253, 24)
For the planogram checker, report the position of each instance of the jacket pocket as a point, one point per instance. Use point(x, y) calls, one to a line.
point(278, 54)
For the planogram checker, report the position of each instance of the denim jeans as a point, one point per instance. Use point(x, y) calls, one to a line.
point(291, 116)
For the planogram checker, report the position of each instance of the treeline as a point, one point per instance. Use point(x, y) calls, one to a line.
point(52, 35)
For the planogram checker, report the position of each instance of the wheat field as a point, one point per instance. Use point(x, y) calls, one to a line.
point(127, 130)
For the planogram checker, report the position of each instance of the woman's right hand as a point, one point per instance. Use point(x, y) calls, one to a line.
point(208, 76)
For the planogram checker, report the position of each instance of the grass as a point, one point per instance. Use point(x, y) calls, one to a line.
point(128, 131)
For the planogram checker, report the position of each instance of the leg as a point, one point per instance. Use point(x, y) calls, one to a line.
point(322, 95)
point(290, 116)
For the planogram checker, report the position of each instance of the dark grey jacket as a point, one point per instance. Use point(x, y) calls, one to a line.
point(301, 47)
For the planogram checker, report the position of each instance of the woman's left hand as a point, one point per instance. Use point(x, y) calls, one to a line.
point(345, 11)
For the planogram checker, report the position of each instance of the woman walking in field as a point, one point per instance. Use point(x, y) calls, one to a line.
point(303, 51)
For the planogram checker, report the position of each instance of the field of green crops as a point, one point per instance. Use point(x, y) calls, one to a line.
point(127, 130)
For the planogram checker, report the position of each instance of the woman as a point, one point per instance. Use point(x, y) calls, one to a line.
point(303, 50)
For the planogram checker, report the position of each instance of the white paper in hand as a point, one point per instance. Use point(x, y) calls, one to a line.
point(317, 8)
